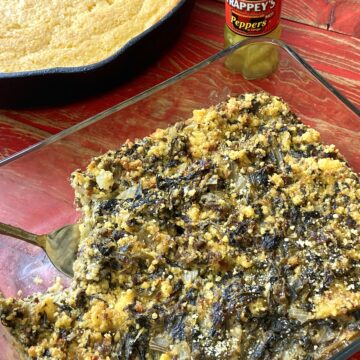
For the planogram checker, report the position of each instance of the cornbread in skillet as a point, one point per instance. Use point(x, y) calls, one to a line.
point(41, 34)
point(233, 235)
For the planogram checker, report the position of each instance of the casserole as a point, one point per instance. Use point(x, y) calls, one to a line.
point(34, 183)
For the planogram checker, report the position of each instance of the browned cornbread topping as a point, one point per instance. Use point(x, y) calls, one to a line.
point(233, 235)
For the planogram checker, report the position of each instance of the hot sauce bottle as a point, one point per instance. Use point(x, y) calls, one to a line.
point(252, 18)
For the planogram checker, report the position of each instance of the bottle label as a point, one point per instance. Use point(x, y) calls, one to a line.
point(252, 17)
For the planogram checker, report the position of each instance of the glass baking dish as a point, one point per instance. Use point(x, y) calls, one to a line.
point(34, 184)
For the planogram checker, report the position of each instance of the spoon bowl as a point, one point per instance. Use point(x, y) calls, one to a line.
point(60, 245)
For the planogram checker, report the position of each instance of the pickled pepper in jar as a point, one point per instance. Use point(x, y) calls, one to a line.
point(252, 18)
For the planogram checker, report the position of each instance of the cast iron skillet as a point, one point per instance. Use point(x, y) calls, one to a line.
point(62, 84)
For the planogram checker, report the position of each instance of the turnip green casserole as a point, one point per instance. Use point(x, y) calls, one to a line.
point(232, 235)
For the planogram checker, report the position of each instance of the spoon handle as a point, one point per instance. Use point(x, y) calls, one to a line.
point(13, 231)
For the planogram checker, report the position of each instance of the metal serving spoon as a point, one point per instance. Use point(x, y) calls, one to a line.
point(60, 246)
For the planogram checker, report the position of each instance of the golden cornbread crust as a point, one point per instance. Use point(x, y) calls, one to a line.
point(233, 235)
point(42, 34)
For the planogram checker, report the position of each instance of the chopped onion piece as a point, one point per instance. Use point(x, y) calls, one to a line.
point(190, 276)
point(299, 315)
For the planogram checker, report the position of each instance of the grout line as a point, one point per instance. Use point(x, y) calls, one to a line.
point(327, 28)
point(331, 18)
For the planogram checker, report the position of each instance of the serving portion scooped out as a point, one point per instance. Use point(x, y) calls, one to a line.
point(232, 235)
